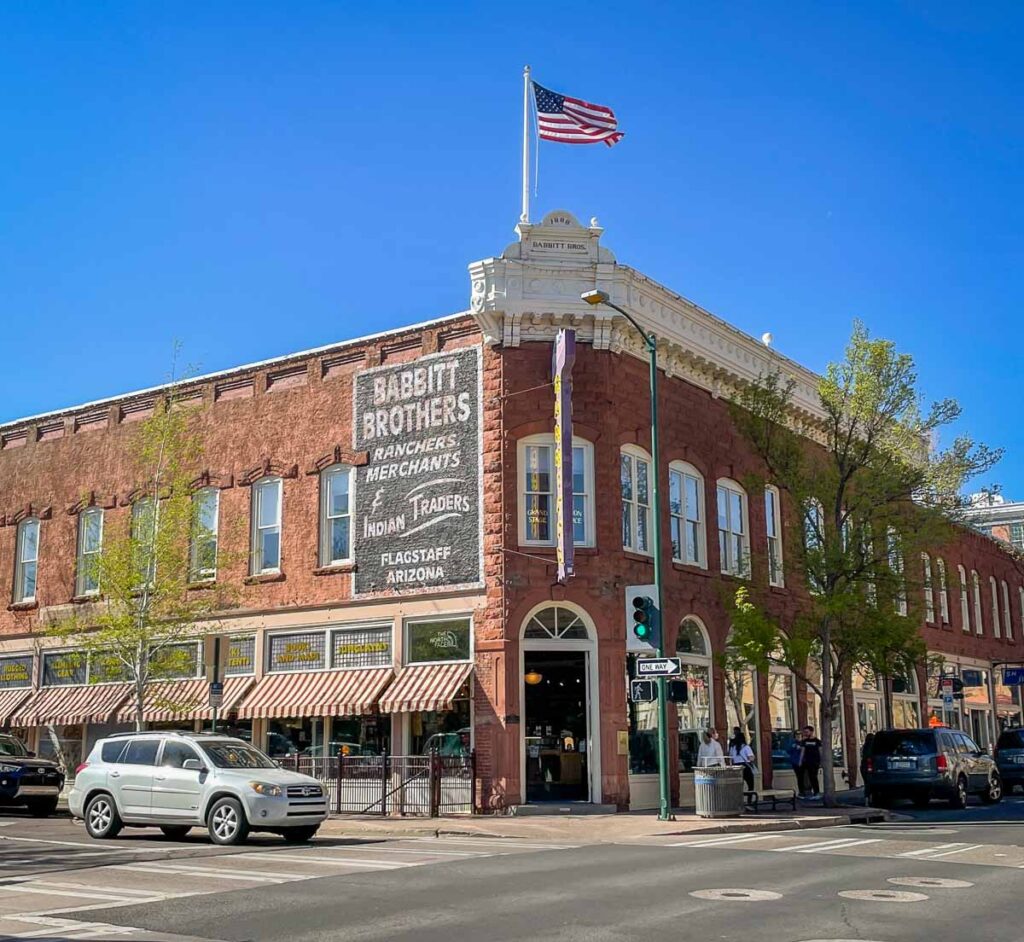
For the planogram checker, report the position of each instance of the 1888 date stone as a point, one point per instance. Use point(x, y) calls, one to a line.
point(417, 500)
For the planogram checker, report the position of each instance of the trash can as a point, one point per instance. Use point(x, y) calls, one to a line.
point(719, 791)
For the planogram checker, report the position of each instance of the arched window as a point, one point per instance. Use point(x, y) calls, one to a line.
point(733, 529)
point(266, 526)
point(976, 590)
point(940, 564)
point(336, 499)
point(929, 589)
point(696, 715)
point(686, 510)
point(203, 553)
point(90, 548)
point(26, 560)
point(537, 524)
point(773, 528)
point(556, 623)
point(1007, 622)
point(814, 543)
point(635, 482)
point(996, 632)
point(965, 605)
point(896, 568)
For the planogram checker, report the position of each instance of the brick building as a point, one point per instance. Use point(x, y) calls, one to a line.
point(389, 504)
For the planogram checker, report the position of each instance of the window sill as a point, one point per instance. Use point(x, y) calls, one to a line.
point(691, 568)
point(85, 599)
point(546, 549)
point(264, 578)
point(200, 584)
point(638, 557)
point(778, 589)
point(335, 569)
point(27, 605)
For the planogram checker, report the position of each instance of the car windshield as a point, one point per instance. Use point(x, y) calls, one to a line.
point(9, 746)
point(236, 755)
point(901, 742)
point(1011, 739)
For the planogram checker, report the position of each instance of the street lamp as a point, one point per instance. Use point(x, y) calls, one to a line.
point(595, 298)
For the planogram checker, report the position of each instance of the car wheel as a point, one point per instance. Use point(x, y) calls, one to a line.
point(101, 818)
point(994, 793)
point(42, 808)
point(300, 835)
point(175, 832)
point(227, 822)
point(959, 799)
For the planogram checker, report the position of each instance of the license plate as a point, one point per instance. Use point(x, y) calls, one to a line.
point(1019, 760)
point(903, 763)
point(39, 790)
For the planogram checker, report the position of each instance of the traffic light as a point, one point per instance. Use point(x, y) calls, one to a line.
point(678, 691)
point(646, 623)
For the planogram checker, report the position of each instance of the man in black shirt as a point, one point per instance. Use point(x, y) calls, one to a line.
point(811, 762)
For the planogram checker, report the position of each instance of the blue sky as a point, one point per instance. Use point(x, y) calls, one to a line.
point(257, 178)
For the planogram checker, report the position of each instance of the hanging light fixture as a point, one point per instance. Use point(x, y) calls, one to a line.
point(533, 677)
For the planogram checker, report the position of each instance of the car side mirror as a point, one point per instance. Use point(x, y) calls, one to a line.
point(193, 765)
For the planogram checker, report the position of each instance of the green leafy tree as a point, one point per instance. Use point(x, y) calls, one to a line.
point(872, 490)
point(135, 631)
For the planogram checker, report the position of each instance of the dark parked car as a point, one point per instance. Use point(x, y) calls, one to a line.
point(26, 780)
point(922, 764)
point(1010, 757)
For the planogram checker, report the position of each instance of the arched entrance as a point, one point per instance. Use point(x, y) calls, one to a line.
point(558, 682)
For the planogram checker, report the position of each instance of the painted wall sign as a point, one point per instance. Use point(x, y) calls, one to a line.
point(16, 671)
point(64, 667)
point(417, 499)
point(445, 640)
point(297, 652)
point(241, 657)
point(361, 647)
point(176, 661)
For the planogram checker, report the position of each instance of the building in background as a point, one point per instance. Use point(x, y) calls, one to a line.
point(998, 517)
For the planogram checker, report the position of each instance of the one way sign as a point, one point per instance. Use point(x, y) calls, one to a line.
point(659, 667)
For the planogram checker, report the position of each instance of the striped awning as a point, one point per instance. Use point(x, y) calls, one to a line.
point(170, 700)
point(10, 700)
point(325, 693)
point(67, 706)
point(426, 687)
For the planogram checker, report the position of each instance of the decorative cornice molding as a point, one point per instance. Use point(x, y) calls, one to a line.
point(31, 509)
point(339, 455)
point(208, 478)
point(92, 499)
point(266, 468)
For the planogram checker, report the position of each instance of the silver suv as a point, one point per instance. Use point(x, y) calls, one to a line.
point(176, 781)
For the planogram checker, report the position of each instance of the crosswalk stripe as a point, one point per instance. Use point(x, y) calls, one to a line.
point(723, 841)
point(959, 850)
point(51, 891)
point(206, 872)
point(842, 846)
point(344, 862)
point(928, 850)
point(815, 845)
point(512, 842)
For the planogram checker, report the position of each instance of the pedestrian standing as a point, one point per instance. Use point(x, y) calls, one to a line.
point(743, 756)
point(710, 751)
point(811, 762)
point(796, 759)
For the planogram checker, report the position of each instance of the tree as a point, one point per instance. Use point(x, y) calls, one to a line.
point(872, 490)
point(145, 609)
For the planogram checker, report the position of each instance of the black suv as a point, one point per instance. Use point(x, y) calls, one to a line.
point(1010, 757)
point(922, 764)
point(26, 780)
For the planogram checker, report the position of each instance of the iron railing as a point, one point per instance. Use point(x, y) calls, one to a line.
point(429, 785)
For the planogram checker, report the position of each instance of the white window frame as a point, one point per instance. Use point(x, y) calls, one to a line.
point(256, 567)
point(994, 589)
point(727, 563)
point(547, 440)
point(979, 627)
point(22, 563)
point(82, 555)
point(137, 510)
point(773, 530)
point(896, 567)
point(1007, 617)
point(632, 506)
point(940, 564)
point(682, 471)
point(929, 589)
point(965, 604)
point(327, 518)
point(196, 573)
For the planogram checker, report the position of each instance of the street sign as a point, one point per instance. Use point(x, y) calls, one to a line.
point(947, 701)
point(216, 694)
point(642, 691)
point(659, 667)
point(971, 677)
point(947, 687)
point(1013, 676)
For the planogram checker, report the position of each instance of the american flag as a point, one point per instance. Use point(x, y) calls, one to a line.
point(573, 121)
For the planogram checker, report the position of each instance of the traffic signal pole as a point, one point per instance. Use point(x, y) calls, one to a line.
point(651, 342)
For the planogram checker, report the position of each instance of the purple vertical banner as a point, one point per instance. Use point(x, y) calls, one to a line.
point(563, 357)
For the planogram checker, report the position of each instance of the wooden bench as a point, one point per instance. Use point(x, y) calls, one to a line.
point(774, 796)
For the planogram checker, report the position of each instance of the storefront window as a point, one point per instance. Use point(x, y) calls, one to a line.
point(447, 732)
point(814, 714)
point(643, 738)
point(906, 714)
point(694, 715)
point(297, 652)
point(295, 736)
point(442, 640)
point(741, 703)
point(782, 714)
point(62, 744)
point(360, 735)
point(239, 729)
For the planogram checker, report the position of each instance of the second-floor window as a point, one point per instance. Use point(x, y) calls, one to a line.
point(1007, 622)
point(203, 552)
point(965, 605)
point(773, 526)
point(144, 541)
point(733, 542)
point(90, 547)
point(335, 515)
point(814, 542)
point(537, 523)
point(27, 560)
point(929, 589)
point(686, 510)
point(635, 473)
point(995, 607)
point(266, 526)
point(940, 564)
point(976, 590)
point(895, 551)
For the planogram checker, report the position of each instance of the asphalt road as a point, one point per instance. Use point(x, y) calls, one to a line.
point(939, 875)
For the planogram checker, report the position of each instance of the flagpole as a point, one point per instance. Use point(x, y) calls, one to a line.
point(525, 215)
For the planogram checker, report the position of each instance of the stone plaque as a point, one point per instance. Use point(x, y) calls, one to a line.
point(417, 500)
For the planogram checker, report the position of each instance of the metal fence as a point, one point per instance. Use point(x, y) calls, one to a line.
point(428, 785)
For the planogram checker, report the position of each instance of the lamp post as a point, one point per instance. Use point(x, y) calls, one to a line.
point(651, 341)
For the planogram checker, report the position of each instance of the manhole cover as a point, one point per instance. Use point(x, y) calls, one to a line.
point(737, 895)
point(937, 882)
point(884, 896)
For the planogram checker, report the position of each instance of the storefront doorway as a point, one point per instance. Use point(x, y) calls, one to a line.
point(555, 725)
